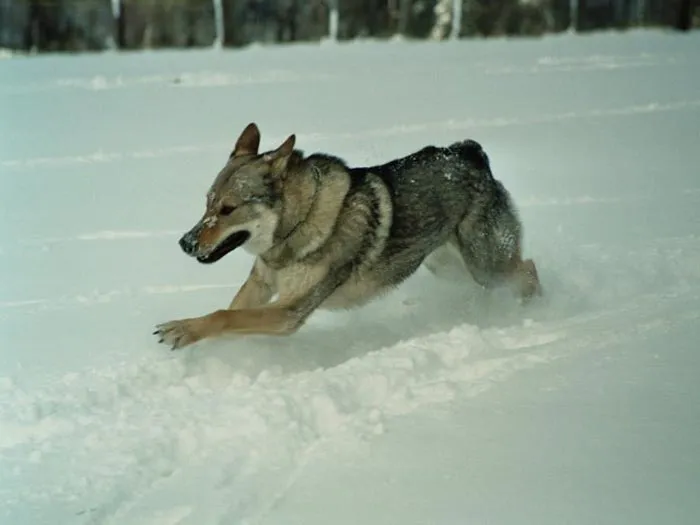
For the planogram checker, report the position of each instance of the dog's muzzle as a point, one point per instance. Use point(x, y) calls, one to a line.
point(190, 241)
point(190, 245)
point(226, 246)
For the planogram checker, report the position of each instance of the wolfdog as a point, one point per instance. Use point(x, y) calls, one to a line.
point(325, 235)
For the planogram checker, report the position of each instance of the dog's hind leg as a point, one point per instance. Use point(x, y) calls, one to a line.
point(490, 246)
point(446, 262)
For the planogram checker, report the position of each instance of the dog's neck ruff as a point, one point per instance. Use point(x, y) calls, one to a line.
point(281, 235)
point(293, 214)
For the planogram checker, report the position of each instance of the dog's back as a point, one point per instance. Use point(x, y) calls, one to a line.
point(439, 197)
point(442, 196)
point(434, 188)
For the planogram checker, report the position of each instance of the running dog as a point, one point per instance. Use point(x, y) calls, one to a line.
point(326, 235)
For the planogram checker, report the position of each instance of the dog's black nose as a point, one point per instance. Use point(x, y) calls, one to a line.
point(188, 243)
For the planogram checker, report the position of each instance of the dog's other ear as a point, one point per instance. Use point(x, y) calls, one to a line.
point(285, 150)
point(249, 141)
point(279, 157)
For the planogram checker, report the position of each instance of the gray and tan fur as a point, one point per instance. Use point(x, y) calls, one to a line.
point(329, 236)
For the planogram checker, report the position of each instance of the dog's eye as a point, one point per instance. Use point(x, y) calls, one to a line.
point(226, 210)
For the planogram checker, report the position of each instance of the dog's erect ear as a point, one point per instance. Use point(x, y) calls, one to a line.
point(285, 150)
point(249, 141)
point(279, 157)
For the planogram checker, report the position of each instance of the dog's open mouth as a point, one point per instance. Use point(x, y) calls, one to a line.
point(231, 242)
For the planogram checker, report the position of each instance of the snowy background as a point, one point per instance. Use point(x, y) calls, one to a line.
point(433, 405)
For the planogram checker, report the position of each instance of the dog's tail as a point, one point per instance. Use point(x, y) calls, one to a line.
point(471, 153)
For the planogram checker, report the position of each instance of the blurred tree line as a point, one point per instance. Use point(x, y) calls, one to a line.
point(73, 25)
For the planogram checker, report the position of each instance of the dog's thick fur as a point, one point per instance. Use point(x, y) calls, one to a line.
point(329, 236)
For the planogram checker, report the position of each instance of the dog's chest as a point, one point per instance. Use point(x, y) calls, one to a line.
point(297, 280)
point(302, 280)
point(356, 291)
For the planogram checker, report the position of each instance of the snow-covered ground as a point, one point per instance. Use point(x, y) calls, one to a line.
point(433, 405)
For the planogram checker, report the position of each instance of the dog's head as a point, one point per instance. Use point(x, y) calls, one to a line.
point(242, 207)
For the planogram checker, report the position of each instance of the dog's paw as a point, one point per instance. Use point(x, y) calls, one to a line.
point(178, 334)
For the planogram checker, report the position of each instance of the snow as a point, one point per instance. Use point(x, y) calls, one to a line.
point(434, 404)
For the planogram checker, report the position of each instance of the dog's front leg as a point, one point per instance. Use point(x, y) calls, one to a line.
point(257, 290)
point(268, 320)
point(283, 317)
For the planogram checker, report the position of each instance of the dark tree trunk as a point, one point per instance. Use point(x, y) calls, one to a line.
point(684, 20)
point(65, 25)
point(561, 15)
point(595, 14)
point(181, 23)
point(272, 21)
point(421, 18)
point(313, 20)
point(502, 17)
point(15, 25)
point(366, 18)
point(671, 13)
point(121, 26)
